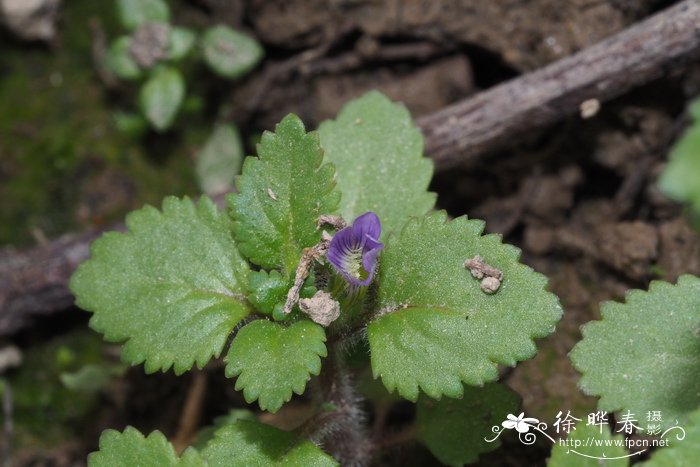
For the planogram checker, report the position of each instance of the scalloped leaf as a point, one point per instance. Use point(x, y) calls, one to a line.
point(132, 448)
point(248, 443)
point(680, 179)
point(229, 53)
point(437, 328)
point(172, 287)
point(134, 13)
point(272, 360)
point(268, 289)
point(280, 196)
point(680, 453)
point(219, 160)
point(118, 60)
point(374, 140)
point(181, 42)
point(161, 96)
point(562, 455)
point(655, 340)
point(206, 434)
point(454, 429)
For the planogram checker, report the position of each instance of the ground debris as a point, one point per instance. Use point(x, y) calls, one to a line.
point(149, 44)
point(10, 357)
point(489, 276)
point(337, 222)
point(309, 255)
point(321, 308)
point(31, 19)
point(479, 268)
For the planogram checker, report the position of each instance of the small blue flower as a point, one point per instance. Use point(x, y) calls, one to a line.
point(354, 250)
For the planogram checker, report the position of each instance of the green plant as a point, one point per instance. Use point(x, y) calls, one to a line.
point(429, 306)
point(159, 58)
point(680, 179)
point(153, 51)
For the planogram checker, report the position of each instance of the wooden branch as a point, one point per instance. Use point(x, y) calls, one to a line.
point(494, 119)
point(35, 282)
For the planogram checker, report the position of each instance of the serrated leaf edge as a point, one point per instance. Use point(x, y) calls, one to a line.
point(249, 164)
point(169, 205)
point(441, 218)
point(290, 390)
point(631, 297)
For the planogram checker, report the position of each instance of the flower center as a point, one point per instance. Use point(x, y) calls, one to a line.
point(354, 264)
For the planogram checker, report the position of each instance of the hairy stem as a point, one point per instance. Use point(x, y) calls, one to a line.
point(340, 428)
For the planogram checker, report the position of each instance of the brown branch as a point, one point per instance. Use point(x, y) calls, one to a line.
point(35, 282)
point(191, 411)
point(492, 119)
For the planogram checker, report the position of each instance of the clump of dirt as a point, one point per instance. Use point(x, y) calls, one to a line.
point(524, 33)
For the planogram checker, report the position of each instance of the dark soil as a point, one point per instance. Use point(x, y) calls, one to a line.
point(579, 198)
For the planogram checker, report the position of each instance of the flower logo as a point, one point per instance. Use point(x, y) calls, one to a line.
point(521, 423)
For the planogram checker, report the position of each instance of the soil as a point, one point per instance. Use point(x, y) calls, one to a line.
point(578, 198)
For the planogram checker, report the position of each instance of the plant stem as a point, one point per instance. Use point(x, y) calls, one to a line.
point(407, 435)
point(342, 430)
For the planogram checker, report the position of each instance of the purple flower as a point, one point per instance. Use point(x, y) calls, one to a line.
point(354, 250)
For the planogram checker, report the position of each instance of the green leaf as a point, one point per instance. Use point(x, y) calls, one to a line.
point(680, 179)
point(172, 287)
point(220, 160)
point(133, 13)
point(437, 328)
point(454, 429)
point(161, 96)
point(680, 453)
point(271, 360)
point(230, 53)
point(248, 443)
point(131, 124)
point(378, 154)
point(181, 42)
point(92, 378)
point(564, 456)
point(118, 60)
point(132, 448)
point(206, 434)
point(269, 289)
point(655, 340)
point(280, 196)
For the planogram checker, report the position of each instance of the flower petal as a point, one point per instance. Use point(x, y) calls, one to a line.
point(370, 254)
point(368, 224)
point(509, 424)
point(354, 250)
point(339, 248)
point(522, 427)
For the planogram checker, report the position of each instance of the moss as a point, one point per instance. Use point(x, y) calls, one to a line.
point(45, 411)
point(58, 139)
